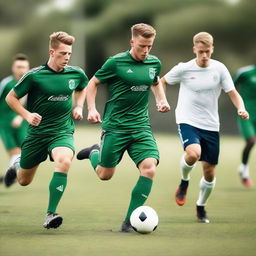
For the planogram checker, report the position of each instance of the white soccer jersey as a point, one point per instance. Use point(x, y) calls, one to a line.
point(199, 91)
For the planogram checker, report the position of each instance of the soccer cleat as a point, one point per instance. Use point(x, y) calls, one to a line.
point(86, 152)
point(127, 227)
point(52, 220)
point(181, 192)
point(247, 182)
point(201, 214)
point(10, 176)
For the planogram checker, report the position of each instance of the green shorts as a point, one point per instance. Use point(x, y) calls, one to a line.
point(13, 137)
point(35, 150)
point(247, 127)
point(139, 145)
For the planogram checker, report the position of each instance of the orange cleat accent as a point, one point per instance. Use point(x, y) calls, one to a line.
point(180, 196)
point(247, 182)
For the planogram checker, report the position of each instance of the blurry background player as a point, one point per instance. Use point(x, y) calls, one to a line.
point(12, 127)
point(245, 80)
point(49, 112)
point(129, 77)
point(201, 81)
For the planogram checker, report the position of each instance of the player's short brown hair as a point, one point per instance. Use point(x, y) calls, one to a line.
point(204, 38)
point(144, 30)
point(20, 56)
point(60, 37)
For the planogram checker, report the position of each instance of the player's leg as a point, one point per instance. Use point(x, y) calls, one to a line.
point(23, 169)
point(248, 132)
point(206, 185)
point(191, 144)
point(11, 146)
point(62, 157)
point(209, 157)
point(145, 154)
point(104, 158)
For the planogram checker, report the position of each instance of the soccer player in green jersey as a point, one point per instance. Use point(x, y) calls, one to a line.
point(49, 89)
point(12, 127)
point(245, 81)
point(129, 77)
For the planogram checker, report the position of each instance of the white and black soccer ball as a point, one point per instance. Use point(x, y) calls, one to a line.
point(144, 219)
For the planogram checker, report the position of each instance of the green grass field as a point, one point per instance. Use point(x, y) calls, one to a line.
point(93, 210)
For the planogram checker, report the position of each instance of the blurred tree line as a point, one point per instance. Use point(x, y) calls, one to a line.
point(102, 29)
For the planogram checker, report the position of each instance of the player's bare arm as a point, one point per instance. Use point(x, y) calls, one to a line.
point(79, 97)
point(161, 101)
point(93, 114)
point(239, 104)
point(13, 101)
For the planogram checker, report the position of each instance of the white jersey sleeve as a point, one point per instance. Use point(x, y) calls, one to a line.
point(174, 75)
point(226, 79)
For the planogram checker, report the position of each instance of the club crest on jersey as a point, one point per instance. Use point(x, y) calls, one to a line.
point(71, 84)
point(152, 73)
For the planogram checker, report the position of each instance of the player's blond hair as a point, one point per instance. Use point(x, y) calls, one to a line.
point(204, 38)
point(144, 30)
point(60, 37)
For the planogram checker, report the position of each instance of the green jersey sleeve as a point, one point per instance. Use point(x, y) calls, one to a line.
point(107, 71)
point(24, 85)
point(157, 72)
point(83, 80)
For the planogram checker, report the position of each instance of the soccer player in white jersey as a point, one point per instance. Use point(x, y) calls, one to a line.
point(201, 81)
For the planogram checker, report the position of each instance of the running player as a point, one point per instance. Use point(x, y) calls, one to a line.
point(12, 127)
point(129, 76)
point(201, 81)
point(49, 106)
point(245, 80)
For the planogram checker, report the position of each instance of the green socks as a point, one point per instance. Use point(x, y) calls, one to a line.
point(139, 194)
point(56, 188)
point(94, 158)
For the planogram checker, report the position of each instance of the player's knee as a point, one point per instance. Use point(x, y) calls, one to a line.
point(65, 162)
point(193, 156)
point(24, 181)
point(105, 176)
point(148, 171)
point(250, 142)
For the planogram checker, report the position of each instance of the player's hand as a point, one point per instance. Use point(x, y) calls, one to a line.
point(16, 122)
point(78, 112)
point(94, 116)
point(243, 113)
point(34, 119)
point(163, 106)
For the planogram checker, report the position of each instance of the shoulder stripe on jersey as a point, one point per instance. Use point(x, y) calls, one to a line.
point(4, 82)
point(73, 67)
point(31, 71)
point(120, 55)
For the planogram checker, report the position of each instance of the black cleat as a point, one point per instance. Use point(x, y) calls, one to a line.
point(52, 220)
point(127, 227)
point(10, 176)
point(86, 152)
point(201, 214)
point(181, 192)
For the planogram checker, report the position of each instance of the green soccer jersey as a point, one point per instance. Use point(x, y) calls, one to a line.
point(7, 114)
point(128, 82)
point(245, 80)
point(50, 95)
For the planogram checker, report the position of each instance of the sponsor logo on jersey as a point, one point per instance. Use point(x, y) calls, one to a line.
point(58, 98)
point(152, 73)
point(139, 88)
point(71, 84)
point(129, 71)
